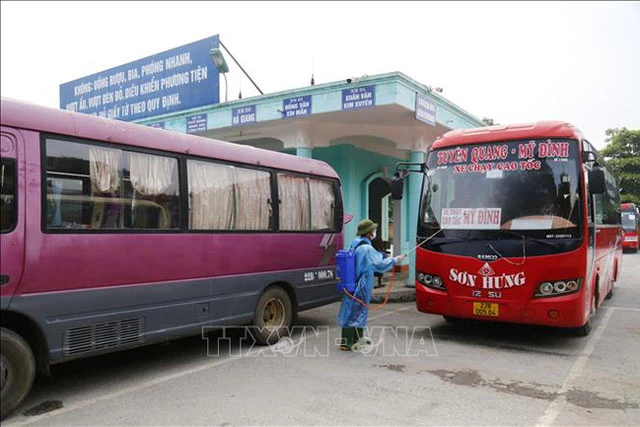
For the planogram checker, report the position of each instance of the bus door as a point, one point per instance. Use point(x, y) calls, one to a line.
point(591, 232)
point(12, 213)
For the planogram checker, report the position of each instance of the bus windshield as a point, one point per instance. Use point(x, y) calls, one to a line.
point(529, 187)
point(629, 221)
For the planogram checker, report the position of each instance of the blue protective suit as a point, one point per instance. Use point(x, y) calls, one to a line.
point(368, 261)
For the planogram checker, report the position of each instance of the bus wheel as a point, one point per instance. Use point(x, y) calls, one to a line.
point(453, 320)
point(610, 294)
point(274, 313)
point(585, 329)
point(17, 370)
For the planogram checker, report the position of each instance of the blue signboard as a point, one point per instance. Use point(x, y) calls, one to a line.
point(157, 125)
point(243, 115)
point(296, 107)
point(178, 79)
point(196, 123)
point(425, 109)
point(360, 97)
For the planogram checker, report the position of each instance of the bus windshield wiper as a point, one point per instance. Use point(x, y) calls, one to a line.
point(446, 240)
point(533, 239)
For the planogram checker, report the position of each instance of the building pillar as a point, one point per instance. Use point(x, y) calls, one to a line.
point(413, 202)
point(302, 143)
point(304, 152)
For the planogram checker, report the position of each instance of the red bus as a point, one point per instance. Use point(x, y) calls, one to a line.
point(524, 227)
point(116, 235)
point(630, 216)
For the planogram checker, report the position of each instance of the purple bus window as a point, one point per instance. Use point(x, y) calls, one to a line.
point(225, 197)
point(93, 187)
point(8, 205)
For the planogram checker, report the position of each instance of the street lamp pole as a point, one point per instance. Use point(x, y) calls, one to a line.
point(226, 86)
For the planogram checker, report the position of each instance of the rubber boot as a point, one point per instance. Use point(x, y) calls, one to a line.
point(349, 338)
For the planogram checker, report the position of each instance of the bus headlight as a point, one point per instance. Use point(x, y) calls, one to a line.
point(572, 285)
point(557, 288)
point(560, 287)
point(431, 281)
point(546, 288)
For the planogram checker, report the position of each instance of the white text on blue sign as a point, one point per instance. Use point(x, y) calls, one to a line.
point(361, 97)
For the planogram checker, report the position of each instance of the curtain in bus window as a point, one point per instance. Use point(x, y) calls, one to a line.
point(210, 196)
point(253, 190)
point(322, 204)
point(152, 175)
point(105, 165)
point(295, 210)
point(154, 180)
point(54, 199)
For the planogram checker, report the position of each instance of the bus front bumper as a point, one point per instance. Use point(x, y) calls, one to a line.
point(564, 311)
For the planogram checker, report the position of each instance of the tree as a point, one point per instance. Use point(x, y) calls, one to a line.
point(623, 155)
point(488, 122)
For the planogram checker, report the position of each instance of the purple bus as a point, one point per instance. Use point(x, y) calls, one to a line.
point(116, 235)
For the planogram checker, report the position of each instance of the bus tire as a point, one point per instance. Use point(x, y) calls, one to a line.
point(610, 294)
point(453, 320)
point(18, 371)
point(583, 330)
point(273, 316)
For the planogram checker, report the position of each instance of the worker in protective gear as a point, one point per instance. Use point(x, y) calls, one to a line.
point(352, 316)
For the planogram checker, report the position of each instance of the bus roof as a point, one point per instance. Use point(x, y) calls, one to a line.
point(30, 116)
point(542, 129)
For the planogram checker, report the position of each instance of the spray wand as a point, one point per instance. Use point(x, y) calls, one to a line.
point(386, 298)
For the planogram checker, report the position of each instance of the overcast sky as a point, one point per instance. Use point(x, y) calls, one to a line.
point(512, 62)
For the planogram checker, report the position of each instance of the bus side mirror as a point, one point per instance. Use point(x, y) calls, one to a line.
point(397, 187)
point(596, 180)
point(588, 156)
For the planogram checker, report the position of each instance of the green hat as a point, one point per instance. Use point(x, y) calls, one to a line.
point(366, 226)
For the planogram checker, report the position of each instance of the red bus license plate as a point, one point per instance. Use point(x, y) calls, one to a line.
point(485, 309)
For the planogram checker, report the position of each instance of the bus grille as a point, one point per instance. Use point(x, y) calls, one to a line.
point(102, 336)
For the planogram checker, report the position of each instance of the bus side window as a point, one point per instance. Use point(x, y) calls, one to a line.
point(227, 197)
point(598, 209)
point(8, 205)
point(323, 203)
point(306, 203)
point(94, 187)
point(153, 190)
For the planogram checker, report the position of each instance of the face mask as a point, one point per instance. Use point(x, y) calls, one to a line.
point(373, 235)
